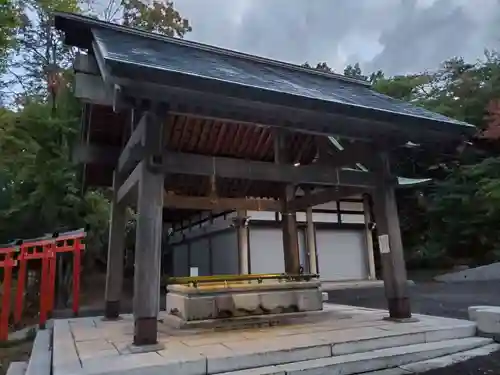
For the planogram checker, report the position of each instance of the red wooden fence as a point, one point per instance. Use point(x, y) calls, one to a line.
point(44, 249)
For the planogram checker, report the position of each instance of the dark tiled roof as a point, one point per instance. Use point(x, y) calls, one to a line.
point(135, 49)
point(132, 48)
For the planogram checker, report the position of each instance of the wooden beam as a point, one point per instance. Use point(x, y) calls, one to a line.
point(91, 89)
point(101, 63)
point(128, 190)
point(134, 149)
point(201, 165)
point(85, 64)
point(324, 196)
point(216, 203)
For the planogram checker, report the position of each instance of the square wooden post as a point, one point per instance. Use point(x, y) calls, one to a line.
point(116, 249)
point(288, 218)
point(311, 238)
point(391, 245)
point(148, 256)
point(148, 237)
point(240, 223)
point(370, 259)
point(290, 234)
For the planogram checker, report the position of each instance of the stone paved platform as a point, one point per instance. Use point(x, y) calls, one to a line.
point(94, 346)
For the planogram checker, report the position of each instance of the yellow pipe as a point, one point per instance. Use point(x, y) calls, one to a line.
point(225, 278)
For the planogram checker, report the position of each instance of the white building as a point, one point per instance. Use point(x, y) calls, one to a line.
point(209, 244)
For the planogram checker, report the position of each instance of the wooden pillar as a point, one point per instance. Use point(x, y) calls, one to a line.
point(147, 256)
point(311, 239)
point(288, 217)
point(116, 249)
point(148, 240)
point(290, 234)
point(390, 243)
point(370, 260)
point(242, 235)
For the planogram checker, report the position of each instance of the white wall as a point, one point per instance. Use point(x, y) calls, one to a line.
point(341, 254)
point(266, 250)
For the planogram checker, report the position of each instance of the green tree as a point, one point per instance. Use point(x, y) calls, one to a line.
point(9, 21)
point(156, 16)
point(457, 216)
point(40, 57)
point(354, 71)
point(39, 187)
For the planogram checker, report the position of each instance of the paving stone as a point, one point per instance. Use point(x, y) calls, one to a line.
point(145, 364)
point(379, 359)
point(260, 355)
point(146, 348)
point(65, 357)
point(347, 335)
point(377, 343)
point(212, 339)
point(100, 354)
point(192, 350)
point(451, 333)
point(267, 370)
point(88, 334)
point(93, 345)
point(82, 322)
point(448, 360)
point(389, 371)
point(95, 349)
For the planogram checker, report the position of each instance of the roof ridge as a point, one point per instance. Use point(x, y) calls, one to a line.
point(205, 47)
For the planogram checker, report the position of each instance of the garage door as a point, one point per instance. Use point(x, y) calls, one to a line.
point(266, 250)
point(341, 255)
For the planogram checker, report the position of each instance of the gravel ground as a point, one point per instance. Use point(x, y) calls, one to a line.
point(448, 300)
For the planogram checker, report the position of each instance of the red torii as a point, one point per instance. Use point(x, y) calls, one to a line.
point(44, 249)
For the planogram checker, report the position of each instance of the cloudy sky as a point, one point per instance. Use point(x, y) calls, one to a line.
point(397, 36)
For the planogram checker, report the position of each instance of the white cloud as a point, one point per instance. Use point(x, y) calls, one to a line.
point(397, 36)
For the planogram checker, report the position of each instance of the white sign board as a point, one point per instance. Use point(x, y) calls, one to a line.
point(383, 243)
point(193, 271)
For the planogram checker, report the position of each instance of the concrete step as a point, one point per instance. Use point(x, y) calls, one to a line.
point(17, 368)
point(374, 360)
point(339, 343)
point(439, 362)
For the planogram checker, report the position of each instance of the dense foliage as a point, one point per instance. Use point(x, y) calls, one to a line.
point(40, 189)
point(456, 218)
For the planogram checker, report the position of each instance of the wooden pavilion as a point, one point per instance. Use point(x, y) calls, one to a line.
point(178, 127)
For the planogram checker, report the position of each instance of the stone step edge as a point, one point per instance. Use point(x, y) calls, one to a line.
point(328, 349)
point(361, 361)
point(439, 362)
